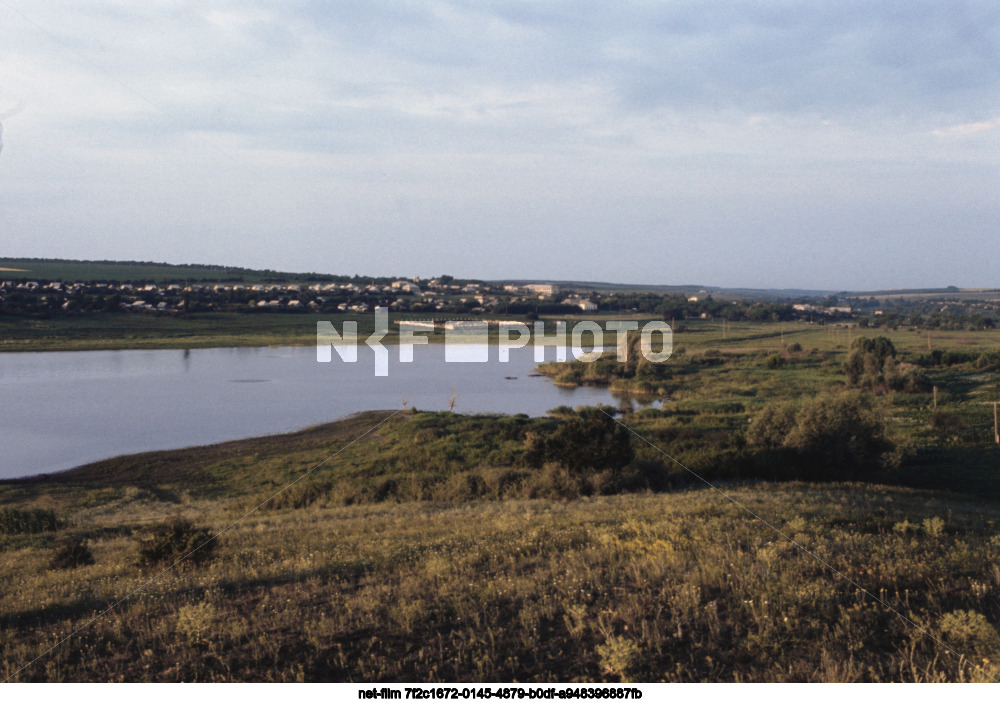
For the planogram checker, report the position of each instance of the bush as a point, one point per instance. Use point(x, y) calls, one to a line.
point(772, 425)
point(173, 540)
point(554, 482)
point(590, 441)
point(71, 552)
point(832, 437)
point(196, 623)
point(970, 629)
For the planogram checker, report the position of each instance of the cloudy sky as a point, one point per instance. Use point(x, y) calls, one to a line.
point(815, 144)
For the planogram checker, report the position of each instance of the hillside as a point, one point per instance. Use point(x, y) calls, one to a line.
point(418, 553)
point(144, 272)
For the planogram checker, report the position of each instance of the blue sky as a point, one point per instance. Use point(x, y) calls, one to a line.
point(828, 145)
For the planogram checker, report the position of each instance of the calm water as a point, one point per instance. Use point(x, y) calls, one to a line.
point(63, 409)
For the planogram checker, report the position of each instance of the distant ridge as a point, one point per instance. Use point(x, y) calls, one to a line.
point(130, 271)
point(25, 268)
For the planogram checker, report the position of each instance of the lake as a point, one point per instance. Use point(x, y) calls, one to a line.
point(64, 409)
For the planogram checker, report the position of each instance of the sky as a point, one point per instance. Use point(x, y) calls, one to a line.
point(822, 145)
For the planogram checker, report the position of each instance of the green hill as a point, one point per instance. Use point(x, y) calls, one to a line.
point(144, 271)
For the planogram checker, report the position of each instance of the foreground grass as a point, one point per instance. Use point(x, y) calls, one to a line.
point(674, 587)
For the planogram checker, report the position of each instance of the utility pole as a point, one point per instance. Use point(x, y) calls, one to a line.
point(935, 397)
point(996, 428)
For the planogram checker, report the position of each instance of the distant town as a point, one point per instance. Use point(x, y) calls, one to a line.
point(444, 295)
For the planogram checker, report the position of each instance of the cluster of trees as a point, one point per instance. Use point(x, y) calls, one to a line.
point(833, 437)
point(871, 364)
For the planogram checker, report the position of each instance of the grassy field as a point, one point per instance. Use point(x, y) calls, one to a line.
point(450, 547)
point(136, 331)
point(201, 330)
point(679, 587)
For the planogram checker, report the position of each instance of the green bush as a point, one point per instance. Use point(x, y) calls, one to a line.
point(833, 437)
point(590, 441)
point(168, 542)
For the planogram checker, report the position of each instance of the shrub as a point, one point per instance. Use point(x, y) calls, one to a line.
point(619, 656)
point(590, 441)
point(934, 526)
point(71, 552)
point(175, 539)
point(834, 436)
point(554, 482)
point(196, 622)
point(969, 629)
point(772, 425)
point(775, 361)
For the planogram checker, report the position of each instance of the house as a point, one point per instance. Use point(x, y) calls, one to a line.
point(407, 286)
point(544, 289)
point(581, 303)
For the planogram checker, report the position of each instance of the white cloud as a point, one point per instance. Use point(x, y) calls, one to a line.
point(965, 130)
point(574, 121)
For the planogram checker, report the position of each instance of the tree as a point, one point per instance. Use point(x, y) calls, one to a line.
point(866, 361)
point(590, 441)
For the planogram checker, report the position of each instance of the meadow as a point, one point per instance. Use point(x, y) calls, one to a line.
point(446, 547)
point(195, 331)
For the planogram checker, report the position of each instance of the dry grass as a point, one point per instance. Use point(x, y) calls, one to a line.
point(679, 587)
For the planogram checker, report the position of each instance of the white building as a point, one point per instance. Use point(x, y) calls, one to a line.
point(542, 288)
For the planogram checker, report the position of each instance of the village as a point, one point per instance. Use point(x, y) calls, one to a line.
point(446, 296)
